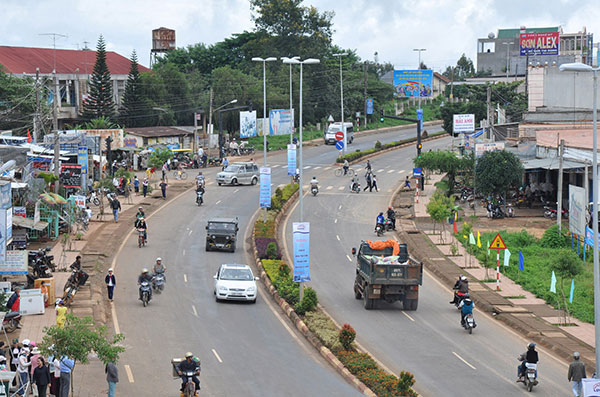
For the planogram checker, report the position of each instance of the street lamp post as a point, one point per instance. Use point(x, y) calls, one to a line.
point(309, 61)
point(264, 62)
point(342, 98)
point(291, 102)
point(580, 67)
point(220, 120)
point(419, 68)
point(507, 53)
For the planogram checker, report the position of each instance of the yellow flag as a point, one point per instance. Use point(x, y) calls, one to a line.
point(478, 239)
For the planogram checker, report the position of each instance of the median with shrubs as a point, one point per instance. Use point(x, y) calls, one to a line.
point(334, 343)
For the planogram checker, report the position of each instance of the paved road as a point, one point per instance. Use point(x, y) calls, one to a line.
point(429, 342)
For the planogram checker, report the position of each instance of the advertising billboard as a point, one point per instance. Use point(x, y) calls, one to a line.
point(163, 39)
point(577, 210)
point(247, 124)
point(413, 83)
point(281, 122)
point(539, 43)
point(462, 123)
point(481, 148)
point(301, 236)
point(265, 187)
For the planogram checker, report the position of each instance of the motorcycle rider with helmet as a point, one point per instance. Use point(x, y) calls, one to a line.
point(466, 307)
point(140, 213)
point(530, 357)
point(354, 184)
point(200, 180)
point(380, 220)
point(189, 365)
point(159, 267)
point(391, 214)
point(145, 276)
point(314, 183)
point(461, 287)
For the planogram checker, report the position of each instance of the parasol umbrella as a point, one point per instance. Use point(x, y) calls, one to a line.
point(58, 198)
point(48, 198)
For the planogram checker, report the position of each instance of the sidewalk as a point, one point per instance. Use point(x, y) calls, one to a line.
point(513, 305)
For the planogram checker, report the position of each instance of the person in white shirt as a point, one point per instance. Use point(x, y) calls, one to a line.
point(23, 370)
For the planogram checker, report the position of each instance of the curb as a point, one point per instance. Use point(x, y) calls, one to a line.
point(491, 302)
point(296, 320)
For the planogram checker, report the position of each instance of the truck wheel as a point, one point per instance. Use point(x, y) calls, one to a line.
point(233, 247)
point(410, 304)
point(357, 293)
point(207, 248)
point(368, 303)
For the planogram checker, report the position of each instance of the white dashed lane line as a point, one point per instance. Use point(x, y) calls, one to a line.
point(217, 355)
point(329, 188)
point(194, 310)
point(129, 374)
point(185, 278)
point(463, 360)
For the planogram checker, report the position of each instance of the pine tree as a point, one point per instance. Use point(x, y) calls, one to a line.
point(99, 102)
point(132, 98)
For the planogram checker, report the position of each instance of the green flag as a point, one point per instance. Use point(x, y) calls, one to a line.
point(488, 247)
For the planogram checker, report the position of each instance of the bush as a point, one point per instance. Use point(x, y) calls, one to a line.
point(308, 303)
point(347, 336)
point(379, 381)
point(553, 238)
point(262, 246)
point(356, 362)
point(377, 145)
point(405, 382)
point(324, 329)
point(272, 251)
point(265, 229)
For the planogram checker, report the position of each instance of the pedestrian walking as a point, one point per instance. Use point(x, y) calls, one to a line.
point(406, 183)
point(55, 378)
point(368, 166)
point(61, 314)
point(115, 204)
point(145, 184)
point(136, 185)
point(23, 370)
point(66, 366)
point(368, 184)
point(204, 159)
point(14, 358)
point(576, 373)
point(111, 282)
point(112, 377)
point(41, 377)
point(225, 163)
point(164, 170)
point(163, 189)
point(374, 183)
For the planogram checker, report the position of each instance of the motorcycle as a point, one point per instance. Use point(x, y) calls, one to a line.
point(189, 390)
point(494, 211)
point(296, 178)
point(158, 282)
point(12, 321)
point(77, 279)
point(379, 230)
point(141, 237)
point(469, 323)
point(355, 188)
point(246, 150)
point(314, 189)
point(42, 255)
point(145, 292)
point(551, 212)
point(93, 198)
point(388, 225)
point(510, 211)
point(529, 378)
point(199, 199)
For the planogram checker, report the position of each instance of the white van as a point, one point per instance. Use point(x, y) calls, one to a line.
point(335, 127)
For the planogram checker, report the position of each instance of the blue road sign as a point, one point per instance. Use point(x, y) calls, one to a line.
point(417, 173)
point(420, 117)
point(369, 105)
point(339, 145)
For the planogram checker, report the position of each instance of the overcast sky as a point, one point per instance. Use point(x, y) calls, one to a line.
point(445, 28)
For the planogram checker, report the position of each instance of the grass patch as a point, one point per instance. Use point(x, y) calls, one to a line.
point(515, 297)
point(278, 142)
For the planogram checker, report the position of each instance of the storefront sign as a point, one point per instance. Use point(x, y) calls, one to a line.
point(539, 43)
point(15, 262)
point(20, 211)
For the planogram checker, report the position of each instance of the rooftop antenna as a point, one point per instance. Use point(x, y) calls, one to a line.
point(54, 36)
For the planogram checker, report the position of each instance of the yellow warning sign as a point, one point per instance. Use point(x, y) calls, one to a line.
point(498, 243)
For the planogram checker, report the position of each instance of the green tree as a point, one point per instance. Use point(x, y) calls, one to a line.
point(101, 123)
point(100, 99)
point(566, 265)
point(17, 102)
point(497, 171)
point(133, 104)
point(439, 209)
point(441, 161)
point(159, 157)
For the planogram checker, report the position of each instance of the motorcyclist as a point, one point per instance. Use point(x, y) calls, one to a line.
point(391, 214)
point(140, 223)
point(466, 307)
point(199, 189)
point(200, 179)
point(314, 183)
point(531, 357)
point(354, 183)
point(147, 277)
point(140, 213)
point(189, 365)
point(461, 288)
point(159, 267)
point(380, 220)
point(346, 166)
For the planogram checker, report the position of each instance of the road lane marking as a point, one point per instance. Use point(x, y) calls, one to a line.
point(390, 171)
point(217, 355)
point(210, 183)
point(338, 237)
point(341, 188)
point(307, 167)
point(115, 320)
point(183, 253)
point(190, 233)
point(329, 187)
point(194, 310)
point(317, 167)
point(185, 278)
point(340, 207)
point(236, 190)
point(335, 220)
point(401, 171)
point(380, 170)
point(409, 317)
point(463, 360)
point(390, 190)
point(348, 256)
point(218, 201)
point(327, 168)
point(275, 166)
point(129, 374)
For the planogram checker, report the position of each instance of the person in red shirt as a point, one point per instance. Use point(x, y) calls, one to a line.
point(14, 300)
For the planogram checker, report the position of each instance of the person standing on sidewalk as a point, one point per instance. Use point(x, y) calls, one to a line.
point(23, 370)
point(136, 185)
point(115, 204)
point(145, 186)
point(41, 377)
point(111, 282)
point(576, 373)
point(66, 366)
point(61, 314)
point(163, 189)
point(55, 378)
point(112, 377)
point(374, 184)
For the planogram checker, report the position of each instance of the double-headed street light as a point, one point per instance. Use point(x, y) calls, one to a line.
point(264, 62)
point(221, 135)
point(419, 68)
point(580, 67)
point(291, 103)
point(507, 56)
point(342, 98)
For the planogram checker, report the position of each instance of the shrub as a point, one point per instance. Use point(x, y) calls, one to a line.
point(265, 229)
point(405, 382)
point(272, 251)
point(356, 362)
point(308, 303)
point(553, 238)
point(379, 381)
point(262, 246)
point(324, 329)
point(347, 335)
point(377, 145)
point(288, 290)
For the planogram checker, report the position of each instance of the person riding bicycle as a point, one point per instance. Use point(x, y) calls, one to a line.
point(145, 276)
point(346, 166)
point(187, 366)
point(380, 220)
point(391, 214)
point(140, 223)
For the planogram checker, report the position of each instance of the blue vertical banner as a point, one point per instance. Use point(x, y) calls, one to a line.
point(420, 117)
point(5, 196)
point(82, 160)
point(291, 159)
point(265, 187)
point(369, 105)
point(301, 233)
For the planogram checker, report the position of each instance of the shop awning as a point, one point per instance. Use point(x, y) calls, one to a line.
point(28, 223)
point(551, 164)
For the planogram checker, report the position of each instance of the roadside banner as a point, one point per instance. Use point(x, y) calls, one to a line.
point(5, 196)
point(506, 257)
point(553, 283)
point(301, 233)
point(544, 43)
point(20, 211)
point(281, 121)
point(9, 225)
point(413, 83)
point(15, 262)
point(2, 235)
point(462, 123)
point(572, 290)
point(291, 159)
point(82, 160)
point(262, 125)
point(247, 124)
point(577, 210)
point(591, 387)
point(265, 187)
point(79, 201)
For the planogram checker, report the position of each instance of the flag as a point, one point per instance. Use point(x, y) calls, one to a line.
point(506, 257)
point(553, 283)
point(478, 239)
point(471, 239)
point(521, 261)
point(572, 290)
point(455, 227)
point(29, 138)
point(488, 247)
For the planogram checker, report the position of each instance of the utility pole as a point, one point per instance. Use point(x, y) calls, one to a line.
point(210, 112)
point(55, 128)
point(36, 117)
point(489, 118)
point(452, 85)
point(561, 152)
point(419, 71)
point(365, 90)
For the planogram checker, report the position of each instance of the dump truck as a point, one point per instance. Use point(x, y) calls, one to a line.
point(385, 271)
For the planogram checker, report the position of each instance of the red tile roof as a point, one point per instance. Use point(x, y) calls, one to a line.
point(26, 60)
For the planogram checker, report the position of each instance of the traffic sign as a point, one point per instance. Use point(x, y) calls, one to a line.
point(417, 172)
point(498, 243)
point(339, 135)
point(339, 145)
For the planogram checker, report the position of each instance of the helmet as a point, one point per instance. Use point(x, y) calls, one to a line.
point(26, 342)
point(531, 346)
point(140, 207)
point(390, 208)
point(158, 259)
point(381, 213)
point(467, 301)
point(110, 269)
point(189, 354)
point(466, 296)
point(576, 355)
point(144, 270)
point(463, 278)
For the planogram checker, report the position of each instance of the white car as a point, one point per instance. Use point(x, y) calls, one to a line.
point(235, 282)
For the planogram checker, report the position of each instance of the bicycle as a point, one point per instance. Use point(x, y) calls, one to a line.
point(340, 172)
point(180, 175)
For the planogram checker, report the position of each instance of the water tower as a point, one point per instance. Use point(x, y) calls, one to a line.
point(163, 41)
